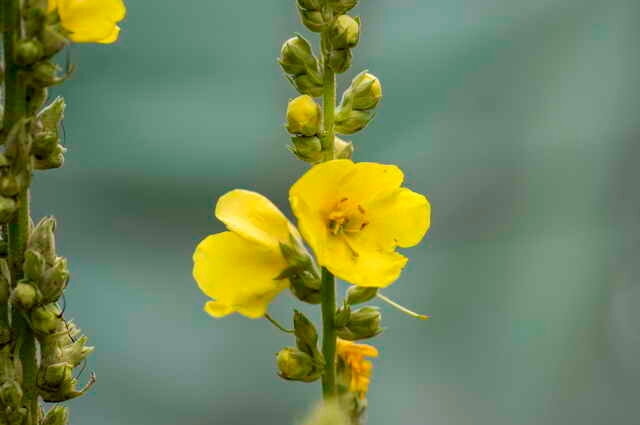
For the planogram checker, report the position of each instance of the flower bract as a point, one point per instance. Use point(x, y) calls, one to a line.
point(354, 215)
point(238, 268)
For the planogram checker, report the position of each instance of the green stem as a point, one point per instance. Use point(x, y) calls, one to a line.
point(328, 96)
point(328, 297)
point(18, 228)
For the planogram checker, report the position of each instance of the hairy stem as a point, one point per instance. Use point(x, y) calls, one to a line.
point(328, 96)
point(328, 297)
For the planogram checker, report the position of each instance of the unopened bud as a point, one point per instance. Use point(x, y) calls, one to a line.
point(343, 314)
point(45, 74)
point(16, 416)
point(42, 239)
point(307, 84)
point(28, 52)
point(55, 281)
point(51, 116)
point(54, 160)
point(34, 266)
point(343, 149)
point(52, 40)
point(44, 321)
point(311, 4)
point(312, 19)
point(350, 122)
point(57, 415)
point(342, 6)
point(360, 294)
point(55, 376)
point(303, 116)
point(294, 365)
point(345, 32)
point(366, 91)
point(75, 353)
point(340, 60)
point(305, 287)
point(306, 333)
point(308, 149)
point(11, 394)
point(296, 57)
point(8, 208)
point(25, 296)
point(44, 143)
point(9, 186)
point(364, 323)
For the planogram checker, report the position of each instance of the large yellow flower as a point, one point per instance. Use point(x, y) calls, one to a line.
point(354, 215)
point(90, 21)
point(358, 369)
point(238, 268)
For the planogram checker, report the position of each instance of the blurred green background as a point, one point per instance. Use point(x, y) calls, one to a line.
point(519, 119)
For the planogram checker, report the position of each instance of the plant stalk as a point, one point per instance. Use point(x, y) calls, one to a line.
point(329, 95)
point(328, 299)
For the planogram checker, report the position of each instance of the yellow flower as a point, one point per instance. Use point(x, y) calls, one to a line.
point(358, 369)
point(90, 21)
point(237, 268)
point(354, 215)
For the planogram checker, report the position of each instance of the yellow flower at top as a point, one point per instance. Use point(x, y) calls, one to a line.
point(238, 268)
point(354, 215)
point(359, 369)
point(90, 21)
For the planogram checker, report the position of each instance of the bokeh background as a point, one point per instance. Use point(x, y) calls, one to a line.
point(519, 119)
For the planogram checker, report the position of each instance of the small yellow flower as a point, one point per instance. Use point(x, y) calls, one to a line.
point(90, 21)
point(354, 215)
point(237, 268)
point(303, 116)
point(359, 369)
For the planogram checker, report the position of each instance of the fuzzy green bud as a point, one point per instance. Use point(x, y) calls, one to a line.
point(28, 52)
point(308, 149)
point(54, 281)
point(307, 84)
point(303, 116)
point(342, 149)
point(366, 91)
point(340, 60)
point(42, 239)
point(54, 160)
point(304, 286)
point(350, 122)
point(45, 74)
point(44, 321)
point(8, 208)
point(75, 353)
point(364, 323)
point(53, 40)
point(11, 394)
point(311, 4)
point(296, 57)
point(345, 32)
point(34, 266)
point(55, 376)
point(51, 116)
point(294, 365)
point(312, 19)
point(25, 296)
point(343, 315)
point(9, 186)
point(44, 143)
point(360, 294)
point(57, 415)
point(305, 332)
point(342, 6)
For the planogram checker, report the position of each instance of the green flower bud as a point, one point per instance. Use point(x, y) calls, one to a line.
point(54, 160)
point(42, 239)
point(54, 281)
point(53, 41)
point(11, 394)
point(8, 208)
point(343, 149)
point(25, 296)
point(44, 144)
point(312, 19)
point(57, 415)
point(366, 91)
point(44, 321)
point(34, 266)
point(304, 287)
point(75, 353)
point(9, 186)
point(55, 376)
point(45, 74)
point(51, 116)
point(345, 32)
point(342, 6)
point(352, 122)
point(296, 57)
point(340, 60)
point(307, 84)
point(311, 4)
point(343, 314)
point(364, 323)
point(16, 416)
point(359, 294)
point(306, 334)
point(28, 52)
point(308, 149)
point(294, 365)
point(303, 116)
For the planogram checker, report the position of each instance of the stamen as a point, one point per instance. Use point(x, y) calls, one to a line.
point(346, 241)
point(403, 309)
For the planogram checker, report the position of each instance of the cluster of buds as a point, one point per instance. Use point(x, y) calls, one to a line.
point(46, 148)
point(303, 122)
point(300, 64)
point(12, 410)
point(304, 362)
point(302, 272)
point(358, 102)
point(362, 323)
point(15, 169)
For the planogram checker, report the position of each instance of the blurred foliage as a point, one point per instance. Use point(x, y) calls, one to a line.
point(519, 119)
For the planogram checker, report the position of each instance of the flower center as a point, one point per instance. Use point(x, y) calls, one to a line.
point(347, 217)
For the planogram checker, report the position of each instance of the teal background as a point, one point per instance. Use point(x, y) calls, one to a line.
point(519, 119)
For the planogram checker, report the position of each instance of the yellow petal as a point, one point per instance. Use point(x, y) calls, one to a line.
point(317, 187)
point(238, 274)
point(112, 38)
point(360, 263)
point(368, 180)
point(52, 5)
point(91, 20)
point(255, 218)
point(400, 218)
